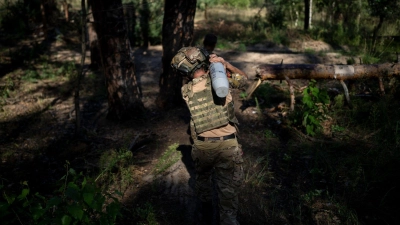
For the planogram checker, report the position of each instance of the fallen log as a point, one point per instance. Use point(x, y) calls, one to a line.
point(320, 71)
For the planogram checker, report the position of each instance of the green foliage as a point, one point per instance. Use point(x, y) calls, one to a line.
point(257, 177)
point(314, 107)
point(225, 44)
point(384, 8)
point(369, 59)
point(278, 36)
point(257, 23)
point(148, 23)
point(260, 115)
point(203, 4)
point(256, 3)
point(155, 21)
point(353, 173)
point(116, 166)
point(147, 214)
point(266, 92)
point(276, 18)
point(11, 16)
point(67, 69)
point(310, 196)
point(236, 3)
point(78, 200)
point(269, 134)
point(48, 71)
point(241, 47)
point(7, 87)
point(167, 159)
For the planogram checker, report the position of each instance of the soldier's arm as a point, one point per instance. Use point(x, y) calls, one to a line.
point(228, 66)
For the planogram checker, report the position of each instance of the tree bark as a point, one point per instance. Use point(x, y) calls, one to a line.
point(44, 17)
point(375, 33)
point(49, 13)
point(320, 71)
point(310, 15)
point(66, 10)
point(144, 23)
point(177, 32)
point(206, 11)
point(306, 14)
point(130, 18)
point(81, 72)
point(93, 44)
point(124, 97)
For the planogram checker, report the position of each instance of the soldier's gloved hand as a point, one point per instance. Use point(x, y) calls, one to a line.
point(214, 58)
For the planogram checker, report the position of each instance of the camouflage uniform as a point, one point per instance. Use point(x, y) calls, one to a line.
point(225, 158)
point(236, 81)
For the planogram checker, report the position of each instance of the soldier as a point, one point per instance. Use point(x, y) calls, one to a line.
point(213, 127)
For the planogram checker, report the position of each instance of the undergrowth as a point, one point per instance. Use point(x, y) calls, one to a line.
point(350, 172)
point(77, 200)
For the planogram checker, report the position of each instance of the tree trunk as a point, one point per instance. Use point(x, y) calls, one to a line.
point(124, 97)
point(144, 23)
point(49, 13)
point(310, 15)
point(81, 72)
point(320, 71)
point(177, 32)
point(66, 10)
point(95, 58)
point(44, 17)
point(205, 11)
point(130, 18)
point(306, 14)
point(375, 33)
point(358, 16)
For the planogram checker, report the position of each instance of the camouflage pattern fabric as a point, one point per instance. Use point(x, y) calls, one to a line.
point(188, 60)
point(225, 159)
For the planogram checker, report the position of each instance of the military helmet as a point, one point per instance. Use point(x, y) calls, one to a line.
point(188, 60)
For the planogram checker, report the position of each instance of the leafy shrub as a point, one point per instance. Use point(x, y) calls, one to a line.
point(236, 3)
point(147, 213)
point(77, 201)
point(147, 24)
point(314, 108)
point(6, 88)
point(48, 71)
point(258, 23)
point(278, 36)
point(12, 19)
point(276, 18)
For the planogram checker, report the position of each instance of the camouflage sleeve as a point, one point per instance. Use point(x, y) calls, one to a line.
point(237, 81)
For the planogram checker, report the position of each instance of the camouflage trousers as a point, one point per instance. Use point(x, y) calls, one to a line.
point(224, 159)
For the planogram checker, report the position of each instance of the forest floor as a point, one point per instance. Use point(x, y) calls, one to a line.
point(37, 139)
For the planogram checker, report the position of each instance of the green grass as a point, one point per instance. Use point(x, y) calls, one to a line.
point(169, 157)
point(116, 169)
point(147, 214)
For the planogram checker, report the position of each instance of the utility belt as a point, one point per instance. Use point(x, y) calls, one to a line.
point(223, 138)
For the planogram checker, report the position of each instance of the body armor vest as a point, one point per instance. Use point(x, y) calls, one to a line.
point(207, 110)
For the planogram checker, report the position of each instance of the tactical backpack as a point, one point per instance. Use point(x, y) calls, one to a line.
point(188, 60)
